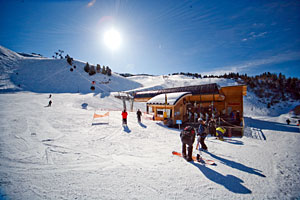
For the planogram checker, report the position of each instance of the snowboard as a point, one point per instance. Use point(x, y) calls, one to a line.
point(202, 160)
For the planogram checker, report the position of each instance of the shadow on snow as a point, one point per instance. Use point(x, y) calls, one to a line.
point(228, 140)
point(236, 165)
point(126, 129)
point(261, 124)
point(230, 182)
point(233, 141)
point(165, 126)
point(142, 125)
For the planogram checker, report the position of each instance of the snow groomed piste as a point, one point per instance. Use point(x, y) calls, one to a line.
point(56, 153)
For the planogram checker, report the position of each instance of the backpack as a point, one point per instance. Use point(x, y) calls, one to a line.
point(187, 135)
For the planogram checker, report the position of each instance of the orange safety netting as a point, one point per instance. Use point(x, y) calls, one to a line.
point(97, 116)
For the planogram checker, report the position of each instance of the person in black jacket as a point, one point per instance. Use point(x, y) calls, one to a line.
point(49, 104)
point(212, 127)
point(139, 114)
point(187, 136)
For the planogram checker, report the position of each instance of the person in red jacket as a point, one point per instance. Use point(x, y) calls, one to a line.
point(124, 117)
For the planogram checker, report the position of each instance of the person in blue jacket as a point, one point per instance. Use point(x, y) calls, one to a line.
point(201, 135)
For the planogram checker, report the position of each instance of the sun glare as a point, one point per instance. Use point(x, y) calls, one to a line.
point(112, 39)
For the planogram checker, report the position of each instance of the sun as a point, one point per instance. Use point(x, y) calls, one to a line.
point(112, 39)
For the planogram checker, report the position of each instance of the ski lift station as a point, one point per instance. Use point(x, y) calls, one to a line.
point(185, 105)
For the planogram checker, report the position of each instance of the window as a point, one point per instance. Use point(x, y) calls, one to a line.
point(160, 112)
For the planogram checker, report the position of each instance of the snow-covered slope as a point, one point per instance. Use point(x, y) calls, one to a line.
point(8, 63)
point(159, 82)
point(45, 75)
point(56, 153)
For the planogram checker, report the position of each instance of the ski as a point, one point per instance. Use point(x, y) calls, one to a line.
point(202, 160)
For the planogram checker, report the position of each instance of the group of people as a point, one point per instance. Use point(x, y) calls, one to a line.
point(234, 117)
point(188, 136)
point(125, 114)
point(50, 101)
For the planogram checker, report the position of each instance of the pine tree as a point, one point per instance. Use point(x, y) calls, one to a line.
point(60, 53)
point(87, 67)
point(69, 60)
point(98, 68)
point(92, 70)
point(104, 70)
point(108, 71)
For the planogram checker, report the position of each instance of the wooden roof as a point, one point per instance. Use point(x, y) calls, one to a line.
point(194, 89)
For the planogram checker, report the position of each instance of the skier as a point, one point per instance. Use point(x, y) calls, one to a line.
point(187, 137)
point(220, 131)
point(49, 104)
point(288, 121)
point(139, 114)
point(201, 135)
point(50, 96)
point(124, 117)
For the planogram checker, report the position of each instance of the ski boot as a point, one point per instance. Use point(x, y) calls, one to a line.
point(198, 158)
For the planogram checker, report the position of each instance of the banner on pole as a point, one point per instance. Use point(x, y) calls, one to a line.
point(99, 119)
point(98, 116)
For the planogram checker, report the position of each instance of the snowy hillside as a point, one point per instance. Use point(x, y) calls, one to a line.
point(46, 75)
point(62, 152)
point(8, 63)
point(159, 82)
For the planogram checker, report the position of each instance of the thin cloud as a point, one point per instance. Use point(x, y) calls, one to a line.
point(256, 63)
point(91, 3)
point(254, 35)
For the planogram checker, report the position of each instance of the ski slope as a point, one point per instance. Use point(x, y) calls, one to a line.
point(44, 75)
point(56, 153)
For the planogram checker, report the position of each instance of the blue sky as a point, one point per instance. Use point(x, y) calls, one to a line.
point(161, 37)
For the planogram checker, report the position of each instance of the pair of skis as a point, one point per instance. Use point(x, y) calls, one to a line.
point(202, 160)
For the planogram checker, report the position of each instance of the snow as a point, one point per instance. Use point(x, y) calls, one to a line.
point(172, 98)
point(55, 152)
point(44, 75)
point(159, 82)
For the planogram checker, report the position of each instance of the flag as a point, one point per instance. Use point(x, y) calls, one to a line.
point(98, 116)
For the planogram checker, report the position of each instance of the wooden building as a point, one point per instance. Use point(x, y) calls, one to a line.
point(224, 104)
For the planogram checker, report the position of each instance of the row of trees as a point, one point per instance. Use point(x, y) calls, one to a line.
point(58, 54)
point(271, 87)
point(91, 69)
